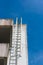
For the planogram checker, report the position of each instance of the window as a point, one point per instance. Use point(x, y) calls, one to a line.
point(3, 61)
point(5, 34)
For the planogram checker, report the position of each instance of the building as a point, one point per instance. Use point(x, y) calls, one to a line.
point(13, 43)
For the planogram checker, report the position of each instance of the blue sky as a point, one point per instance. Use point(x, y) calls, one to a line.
point(32, 13)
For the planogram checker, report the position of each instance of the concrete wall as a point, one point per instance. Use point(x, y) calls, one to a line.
point(6, 22)
point(4, 50)
point(23, 60)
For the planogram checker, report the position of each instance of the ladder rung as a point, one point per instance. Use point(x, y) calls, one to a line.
point(18, 44)
point(18, 38)
point(18, 47)
point(12, 54)
point(12, 63)
point(13, 42)
point(11, 51)
point(13, 58)
point(18, 51)
point(18, 34)
point(13, 45)
point(18, 41)
point(12, 48)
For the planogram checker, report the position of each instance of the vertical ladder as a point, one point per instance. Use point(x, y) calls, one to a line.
point(15, 50)
point(18, 41)
point(12, 60)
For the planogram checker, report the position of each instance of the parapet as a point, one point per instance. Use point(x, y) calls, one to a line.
point(6, 22)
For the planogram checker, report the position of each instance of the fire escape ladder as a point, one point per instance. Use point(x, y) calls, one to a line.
point(15, 50)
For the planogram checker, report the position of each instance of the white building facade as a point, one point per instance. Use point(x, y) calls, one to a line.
point(15, 49)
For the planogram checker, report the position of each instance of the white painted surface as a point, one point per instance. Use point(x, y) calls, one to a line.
point(23, 60)
point(6, 22)
point(4, 50)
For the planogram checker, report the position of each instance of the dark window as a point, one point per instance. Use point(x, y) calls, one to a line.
point(5, 34)
point(1, 61)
